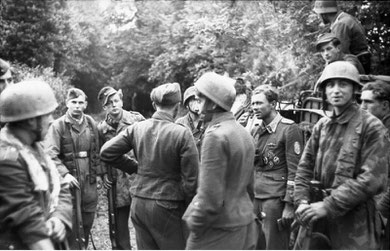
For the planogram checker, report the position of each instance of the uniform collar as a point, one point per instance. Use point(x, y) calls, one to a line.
point(221, 116)
point(386, 121)
point(161, 115)
point(271, 127)
point(346, 115)
point(73, 121)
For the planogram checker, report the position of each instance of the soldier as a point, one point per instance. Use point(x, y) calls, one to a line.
point(5, 78)
point(242, 102)
point(347, 28)
point(330, 48)
point(167, 171)
point(116, 121)
point(279, 144)
point(376, 100)
point(36, 206)
point(73, 144)
point(345, 158)
point(5, 75)
point(191, 119)
point(221, 214)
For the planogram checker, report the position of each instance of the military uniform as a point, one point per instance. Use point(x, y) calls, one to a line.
point(107, 130)
point(165, 180)
point(74, 148)
point(221, 214)
point(279, 146)
point(347, 155)
point(384, 201)
point(352, 37)
point(197, 130)
point(31, 192)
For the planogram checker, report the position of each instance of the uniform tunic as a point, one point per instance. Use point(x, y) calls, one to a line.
point(279, 146)
point(347, 154)
point(196, 132)
point(82, 141)
point(351, 34)
point(165, 180)
point(107, 132)
point(74, 147)
point(25, 209)
point(225, 193)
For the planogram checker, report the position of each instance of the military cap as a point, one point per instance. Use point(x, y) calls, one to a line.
point(106, 92)
point(5, 69)
point(166, 94)
point(325, 38)
point(74, 93)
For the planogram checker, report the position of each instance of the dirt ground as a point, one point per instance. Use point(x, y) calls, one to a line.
point(100, 233)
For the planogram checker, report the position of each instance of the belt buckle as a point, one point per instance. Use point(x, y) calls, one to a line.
point(83, 154)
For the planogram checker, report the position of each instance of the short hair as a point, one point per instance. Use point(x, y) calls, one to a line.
point(270, 92)
point(379, 88)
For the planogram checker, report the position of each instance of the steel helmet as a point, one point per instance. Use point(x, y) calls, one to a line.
point(27, 99)
point(217, 88)
point(189, 93)
point(340, 70)
point(325, 6)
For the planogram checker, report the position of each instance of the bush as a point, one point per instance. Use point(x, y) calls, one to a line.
point(58, 82)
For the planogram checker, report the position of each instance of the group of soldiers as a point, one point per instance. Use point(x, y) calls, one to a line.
point(210, 179)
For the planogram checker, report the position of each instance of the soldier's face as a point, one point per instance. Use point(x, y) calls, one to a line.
point(372, 105)
point(329, 52)
point(205, 104)
point(261, 106)
point(46, 121)
point(193, 105)
point(77, 106)
point(339, 92)
point(114, 105)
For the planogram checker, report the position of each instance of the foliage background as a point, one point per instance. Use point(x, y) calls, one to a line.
point(136, 45)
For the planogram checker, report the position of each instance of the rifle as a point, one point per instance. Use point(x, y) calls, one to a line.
point(112, 213)
point(80, 239)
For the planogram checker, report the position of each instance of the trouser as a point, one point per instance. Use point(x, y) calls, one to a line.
point(88, 218)
point(273, 209)
point(242, 237)
point(158, 223)
point(122, 228)
point(386, 239)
